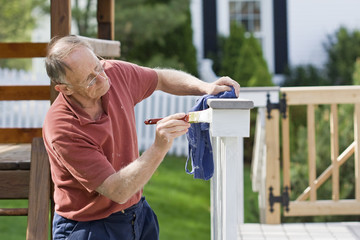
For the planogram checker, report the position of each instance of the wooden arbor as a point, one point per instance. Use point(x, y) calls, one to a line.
point(20, 177)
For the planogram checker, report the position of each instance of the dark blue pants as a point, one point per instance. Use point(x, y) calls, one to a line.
point(138, 222)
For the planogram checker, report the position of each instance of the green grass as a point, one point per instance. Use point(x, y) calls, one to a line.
point(13, 227)
point(181, 203)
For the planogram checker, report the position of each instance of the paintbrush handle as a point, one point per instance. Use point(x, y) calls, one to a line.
point(151, 121)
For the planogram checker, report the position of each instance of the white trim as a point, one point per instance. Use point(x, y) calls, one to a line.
point(223, 16)
point(267, 29)
point(197, 26)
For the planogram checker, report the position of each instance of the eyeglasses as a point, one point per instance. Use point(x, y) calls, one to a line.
point(99, 74)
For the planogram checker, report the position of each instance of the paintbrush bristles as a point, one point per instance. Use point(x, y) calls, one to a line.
point(200, 116)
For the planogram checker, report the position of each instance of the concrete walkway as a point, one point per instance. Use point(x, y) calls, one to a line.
point(301, 231)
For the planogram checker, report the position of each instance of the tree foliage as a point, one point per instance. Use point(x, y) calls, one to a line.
point(156, 33)
point(240, 57)
point(85, 17)
point(342, 47)
point(305, 75)
point(16, 24)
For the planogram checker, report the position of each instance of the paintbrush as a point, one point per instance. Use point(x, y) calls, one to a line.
point(191, 117)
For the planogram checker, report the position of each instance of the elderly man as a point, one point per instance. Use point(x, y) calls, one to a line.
point(90, 136)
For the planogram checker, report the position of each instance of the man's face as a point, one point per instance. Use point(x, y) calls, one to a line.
point(86, 76)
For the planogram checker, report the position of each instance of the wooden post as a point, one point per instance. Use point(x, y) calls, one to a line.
point(260, 97)
point(105, 18)
point(230, 123)
point(60, 26)
point(272, 167)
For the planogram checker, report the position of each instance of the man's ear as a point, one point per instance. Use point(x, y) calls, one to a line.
point(63, 88)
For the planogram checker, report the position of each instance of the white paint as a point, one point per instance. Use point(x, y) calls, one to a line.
point(230, 123)
point(227, 130)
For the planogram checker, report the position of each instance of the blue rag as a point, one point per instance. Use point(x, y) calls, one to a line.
point(200, 149)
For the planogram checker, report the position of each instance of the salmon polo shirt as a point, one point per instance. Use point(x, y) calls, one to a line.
point(84, 152)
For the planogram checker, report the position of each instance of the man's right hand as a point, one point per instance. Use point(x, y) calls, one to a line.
point(169, 128)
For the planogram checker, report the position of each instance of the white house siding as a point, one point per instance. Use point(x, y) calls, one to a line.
point(309, 23)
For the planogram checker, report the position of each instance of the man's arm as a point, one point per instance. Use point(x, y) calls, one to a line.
point(181, 83)
point(120, 186)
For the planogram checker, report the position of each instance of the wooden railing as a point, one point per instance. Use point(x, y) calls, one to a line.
point(38, 190)
point(312, 96)
point(307, 204)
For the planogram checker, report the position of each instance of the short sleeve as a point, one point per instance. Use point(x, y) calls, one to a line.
point(140, 82)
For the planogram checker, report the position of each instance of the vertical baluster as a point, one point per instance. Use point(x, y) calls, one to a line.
point(334, 151)
point(286, 151)
point(357, 150)
point(311, 150)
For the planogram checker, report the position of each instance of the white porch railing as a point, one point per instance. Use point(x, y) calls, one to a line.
point(228, 130)
point(230, 123)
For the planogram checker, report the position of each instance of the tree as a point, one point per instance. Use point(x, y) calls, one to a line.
point(356, 75)
point(342, 48)
point(251, 69)
point(242, 59)
point(231, 49)
point(85, 18)
point(156, 33)
point(16, 24)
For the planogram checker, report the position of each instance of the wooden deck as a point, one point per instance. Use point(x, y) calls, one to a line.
point(300, 231)
point(15, 156)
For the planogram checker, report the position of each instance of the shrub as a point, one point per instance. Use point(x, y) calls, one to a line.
point(240, 57)
point(342, 49)
point(304, 75)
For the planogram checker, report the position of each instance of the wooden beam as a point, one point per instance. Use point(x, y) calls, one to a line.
point(323, 207)
point(344, 156)
point(19, 135)
point(13, 211)
point(22, 50)
point(104, 48)
point(9, 93)
point(14, 184)
point(286, 151)
point(105, 18)
point(311, 150)
point(321, 95)
point(39, 193)
point(60, 12)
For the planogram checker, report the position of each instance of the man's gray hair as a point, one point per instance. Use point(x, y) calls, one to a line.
point(58, 49)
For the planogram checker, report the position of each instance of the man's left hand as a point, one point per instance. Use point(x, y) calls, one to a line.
point(223, 84)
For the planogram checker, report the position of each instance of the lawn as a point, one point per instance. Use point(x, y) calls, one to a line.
point(181, 203)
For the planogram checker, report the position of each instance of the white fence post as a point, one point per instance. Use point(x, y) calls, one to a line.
point(230, 123)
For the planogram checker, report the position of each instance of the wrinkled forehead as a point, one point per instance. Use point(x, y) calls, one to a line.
point(81, 56)
point(81, 62)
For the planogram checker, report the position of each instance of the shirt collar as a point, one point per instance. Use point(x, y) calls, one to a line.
point(81, 114)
